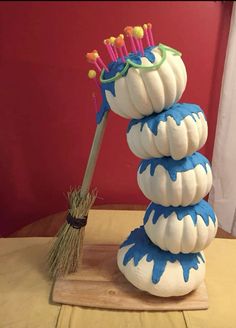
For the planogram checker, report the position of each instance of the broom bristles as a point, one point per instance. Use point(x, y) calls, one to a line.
point(66, 251)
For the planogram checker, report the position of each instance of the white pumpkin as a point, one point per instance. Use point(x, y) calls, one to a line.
point(181, 229)
point(146, 90)
point(158, 272)
point(175, 183)
point(177, 132)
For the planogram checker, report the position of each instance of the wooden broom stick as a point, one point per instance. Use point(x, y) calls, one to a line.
point(89, 172)
point(65, 255)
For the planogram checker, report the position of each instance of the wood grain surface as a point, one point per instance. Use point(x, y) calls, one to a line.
point(100, 284)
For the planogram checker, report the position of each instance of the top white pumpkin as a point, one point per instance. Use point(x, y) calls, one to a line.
point(150, 88)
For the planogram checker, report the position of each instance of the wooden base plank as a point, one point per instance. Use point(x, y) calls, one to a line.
point(100, 284)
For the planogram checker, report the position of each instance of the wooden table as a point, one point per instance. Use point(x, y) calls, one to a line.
point(25, 288)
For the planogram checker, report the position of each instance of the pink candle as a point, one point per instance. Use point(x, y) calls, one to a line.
point(146, 35)
point(92, 59)
point(119, 43)
point(141, 46)
point(137, 44)
point(132, 44)
point(124, 45)
point(97, 66)
point(115, 51)
point(149, 25)
point(121, 54)
point(99, 60)
point(110, 50)
point(128, 31)
point(112, 43)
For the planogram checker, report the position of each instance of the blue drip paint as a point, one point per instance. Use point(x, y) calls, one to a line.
point(142, 246)
point(177, 111)
point(202, 209)
point(174, 166)
point(114, 68)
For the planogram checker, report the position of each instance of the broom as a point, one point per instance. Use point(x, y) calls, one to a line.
point(65, 255)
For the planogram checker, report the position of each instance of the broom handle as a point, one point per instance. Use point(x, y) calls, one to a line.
point(88, 175)
point(91, 164)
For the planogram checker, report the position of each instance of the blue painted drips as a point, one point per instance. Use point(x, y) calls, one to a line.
point(203, 209)
point(114, 68)
point(177, 111)
point(174, 166)
point(143, 246)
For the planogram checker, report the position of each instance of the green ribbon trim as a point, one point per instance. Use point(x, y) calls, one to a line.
point(163, 48)
point(116, 77)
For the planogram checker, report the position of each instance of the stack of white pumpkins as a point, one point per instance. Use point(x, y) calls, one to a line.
point(164, 256)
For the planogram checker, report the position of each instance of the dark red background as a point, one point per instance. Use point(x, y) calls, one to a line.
point(47, 114)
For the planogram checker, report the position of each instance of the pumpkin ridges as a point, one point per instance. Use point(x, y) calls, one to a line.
point(135, 109)
point(193, 134)
point(174, 197)
point(163, 189)
point(123, 99)
point(164, 182)
point(199, 130)
point(147, 141)
point(184, 72)
point(132, 141)
point(178, 138)
point(203, 237)
point(202, 188)
point(163, 235)
point(189, 235)
point(113, 103)
point(153, 82)
point(120, 88)
point(137, 92)
point(205, 130)
point(161, 140)
point(173, 236)
point(169, 83)
point(209, 180)
point(156, 152)
point(180, 80)
point(188, 190)
point(142, 74)
point(142, 141)
point(212, 232)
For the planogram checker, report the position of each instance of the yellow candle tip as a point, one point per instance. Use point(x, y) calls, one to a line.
point(145, 26)
point(112, 39)
point(92, 74)
point(138, 32)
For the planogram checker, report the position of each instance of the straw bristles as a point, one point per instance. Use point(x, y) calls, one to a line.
point(66, 251)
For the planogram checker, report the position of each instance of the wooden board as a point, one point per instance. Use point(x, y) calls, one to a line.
point(100, 284)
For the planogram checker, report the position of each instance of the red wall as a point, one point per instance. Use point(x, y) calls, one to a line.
point(47, 115)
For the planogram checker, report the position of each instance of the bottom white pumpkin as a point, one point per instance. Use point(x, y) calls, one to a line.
point(165, 278)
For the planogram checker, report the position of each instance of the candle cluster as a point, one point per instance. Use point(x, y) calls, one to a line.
point(116, 46)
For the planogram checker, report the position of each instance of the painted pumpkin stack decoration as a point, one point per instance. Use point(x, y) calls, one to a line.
point(165, 255)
